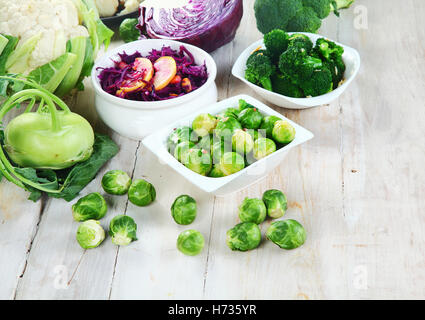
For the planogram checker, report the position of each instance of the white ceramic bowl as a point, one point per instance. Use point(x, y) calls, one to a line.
point(157, 144)
point(137, 119)
point(351, 59)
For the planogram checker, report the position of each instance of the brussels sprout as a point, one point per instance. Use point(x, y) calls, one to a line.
point(275, 202)
point(283, 132)
point(141, 193)
point(229, 112)
point(128, 30)
point(287, 234)
point(244, 105)
point(116, 182)
point(242, 142)
point(226, 127)
point(252, 210)
point(216, 172)
point(206, 143)
point(190, 242)
point(122, 230)
point(183, 210)
point(219, 148)
point(231, 162)
point(268, 124)
point(179, 135)
point(263, 147)
point(92, 206)
point(250, 118)
point(90, 234)
point(199, 161)
point(244, 236)
point(182, 150)
point(256, 134)
point(204, 124)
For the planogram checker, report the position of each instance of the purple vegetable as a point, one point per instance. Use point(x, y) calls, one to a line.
point(208, 24)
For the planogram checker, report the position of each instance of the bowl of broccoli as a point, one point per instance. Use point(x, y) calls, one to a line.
point(297, 70)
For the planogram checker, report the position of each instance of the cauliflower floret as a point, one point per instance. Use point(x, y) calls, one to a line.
point(107, 8)
point(56, 20)
point(130, 6)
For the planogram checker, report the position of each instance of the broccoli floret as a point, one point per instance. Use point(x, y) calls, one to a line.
point(328, 49)
point(295, 15)
point(283, 85)
point(259, 69)
point(319, 83)
point(276, 42)
point(301, 41)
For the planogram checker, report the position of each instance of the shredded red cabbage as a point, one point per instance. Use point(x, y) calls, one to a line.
point(114, 78)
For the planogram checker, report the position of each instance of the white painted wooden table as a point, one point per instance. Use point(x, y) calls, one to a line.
point(358, 188)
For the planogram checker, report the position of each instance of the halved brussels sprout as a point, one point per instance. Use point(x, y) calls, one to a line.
point(252, 210)
point(268, 124)
point(182, 149)
point(244, 236)
point(199, 161)
point(190, 242)
point(90, 234)
point(263, 147)
point(122, 230)
point(250, 118)
point(179, 135)
point(183, 210)
point(216, 172)
point(231, 162)
point(283, 132)
point(242, 142)
point(276, 203)
point(226, 127)
point(204, 124)
point(229, 112)
point(287, 234)
point(244, 105)
point(116, 182)
point(141, 193)
point(91, 206)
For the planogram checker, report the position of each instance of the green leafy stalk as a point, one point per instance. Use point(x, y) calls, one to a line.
point(3, 43)
point(18, 59)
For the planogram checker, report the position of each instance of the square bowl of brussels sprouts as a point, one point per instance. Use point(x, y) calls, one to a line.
point(297, 70)
point(227, 146)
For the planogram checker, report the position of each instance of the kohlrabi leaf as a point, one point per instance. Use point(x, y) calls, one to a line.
point(18, 61)
point(3, 43)
point(88, 64)
point(6, 52)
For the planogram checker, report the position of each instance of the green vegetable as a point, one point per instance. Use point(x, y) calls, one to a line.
point(287, 234)
point(229, 112)
point(3, 43)
point(276, 203)
point(242, 142)
point(242, 103)
point(268, 124)
point(231, 162)
point(216, 172)
point(122, 230)
point(128, 30)
point(199, 161)
point(17, 61)
point(252, 210)
point(183, 210)
point(321, 82)
point(116, 182)
point(219, 148)
point(256, 134)
point(263, 147)
point(259, 69)
point(295, 15)
point(7, 51)
point(331, 55)
point(190, 242)
point(180, 135)
point(250, 118)
point(90, 234)
point(92, 206)
point(181, 151)
point(244, 236)
point(226, 127)
point(205, 143)
point(283, 132)
point(301, 41)
point(283, 85)
point(141, 193)
point(204, 124)
point(276, 42)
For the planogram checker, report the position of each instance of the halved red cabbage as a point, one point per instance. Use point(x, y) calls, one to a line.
point(208, 24)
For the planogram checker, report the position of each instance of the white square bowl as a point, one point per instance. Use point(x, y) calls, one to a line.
point(157, 144)
point(351, 59)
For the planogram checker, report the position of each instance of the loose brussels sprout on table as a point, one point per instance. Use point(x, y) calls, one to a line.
point(91, 206)
point(287, 234)
point(242, 142)
point(252, 210)
point(116, 182)
point(122, 230)
point(204, 124)
point(275, 202)
point(141, 193)
point(183, 210)
point(263, 147)
point(190, 242)
point(283, 132)
point(90, 234)
point(244, 236)
point(250, 118)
